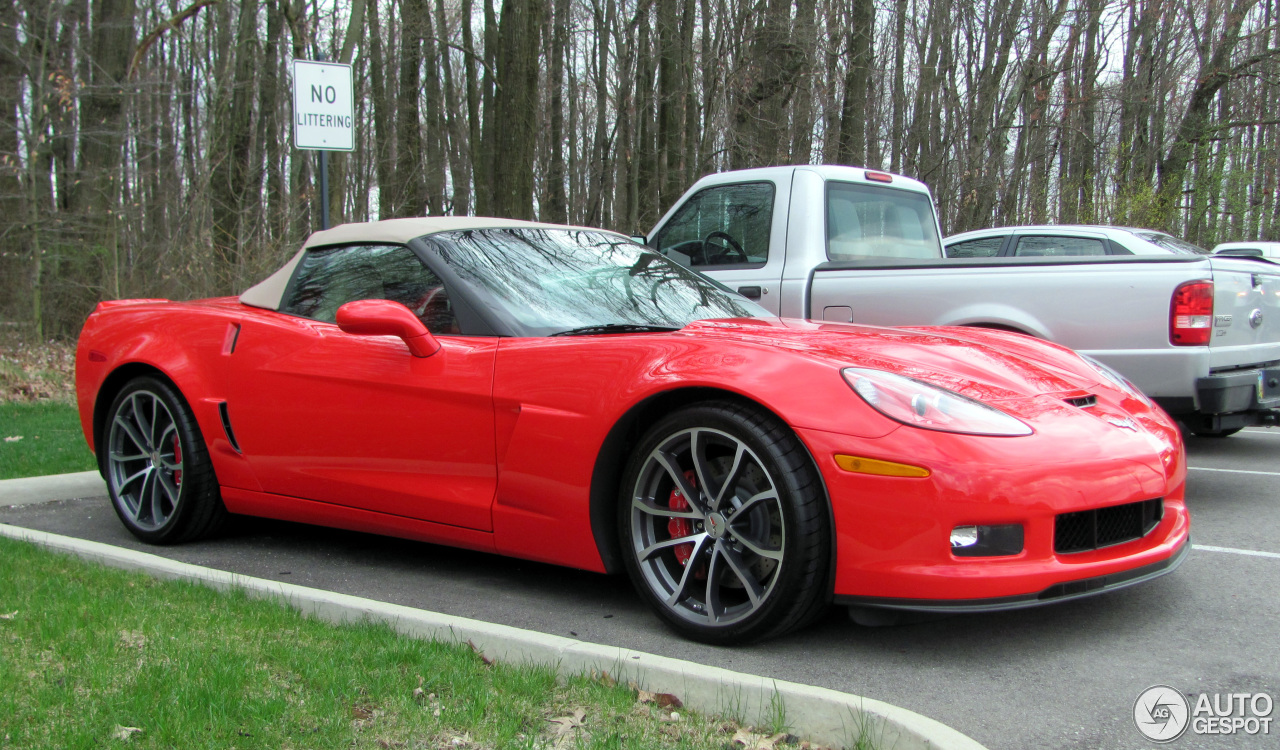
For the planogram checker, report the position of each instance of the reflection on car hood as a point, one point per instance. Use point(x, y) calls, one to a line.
point(985, 365)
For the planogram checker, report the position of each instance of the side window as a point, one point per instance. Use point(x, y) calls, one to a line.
point(722, 226)
point(986, 247)
point(330, 277)
point(1059, 246)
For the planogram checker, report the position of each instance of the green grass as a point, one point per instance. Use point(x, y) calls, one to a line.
point(87, 652)
point(51, 441)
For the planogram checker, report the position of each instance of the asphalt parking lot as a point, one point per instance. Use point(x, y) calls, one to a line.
point(1063, 676)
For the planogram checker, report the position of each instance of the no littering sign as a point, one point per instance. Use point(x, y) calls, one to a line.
point(323, 116)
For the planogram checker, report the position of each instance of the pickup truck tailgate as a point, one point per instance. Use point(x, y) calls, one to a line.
point(1246, 313)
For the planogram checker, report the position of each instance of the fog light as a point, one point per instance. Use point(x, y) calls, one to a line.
point(986, 541)
point(964, 536)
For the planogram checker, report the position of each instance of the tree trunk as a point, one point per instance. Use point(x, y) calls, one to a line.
point(408, 187)
point(512, 137)
point(234, 176)
point(857, 85)
point(557, 202)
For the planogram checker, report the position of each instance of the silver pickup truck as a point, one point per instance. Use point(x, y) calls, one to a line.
point(1198, 334)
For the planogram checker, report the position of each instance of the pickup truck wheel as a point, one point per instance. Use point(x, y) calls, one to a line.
point(724, 525)
point(158, 471)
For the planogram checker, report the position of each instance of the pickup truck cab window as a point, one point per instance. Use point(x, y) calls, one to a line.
point(983, 247)
point(726, 225)
point(876, 222)
point(1056, 246)
point(329, 277)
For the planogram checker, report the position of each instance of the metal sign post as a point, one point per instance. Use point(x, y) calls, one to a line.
point(323, 116)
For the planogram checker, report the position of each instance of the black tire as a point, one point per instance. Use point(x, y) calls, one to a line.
point(757, 562)
point(157, 467)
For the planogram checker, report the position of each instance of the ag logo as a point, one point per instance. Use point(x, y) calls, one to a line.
point(1161, 713)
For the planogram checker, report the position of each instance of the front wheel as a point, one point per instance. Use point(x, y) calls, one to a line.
point(725, 526)
point(158, 471)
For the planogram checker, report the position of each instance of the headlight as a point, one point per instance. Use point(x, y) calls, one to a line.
point(1116, 379)
point(916, 403)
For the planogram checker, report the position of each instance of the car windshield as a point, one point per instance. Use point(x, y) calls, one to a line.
point(1172, 244)
point(553, 281)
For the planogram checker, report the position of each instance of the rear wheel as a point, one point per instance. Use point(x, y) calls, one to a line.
point(724, 524)
point(158, 471)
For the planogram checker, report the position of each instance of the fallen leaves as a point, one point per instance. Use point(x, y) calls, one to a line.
point(662, 700)
point(566, 724)
point(487, 661)
point(568, 731)
point(34, 372)
point(363, 715)
point(124, 733)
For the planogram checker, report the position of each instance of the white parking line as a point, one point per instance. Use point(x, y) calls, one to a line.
point(1249, 552)
point(1263, 431)
point(1235, 471)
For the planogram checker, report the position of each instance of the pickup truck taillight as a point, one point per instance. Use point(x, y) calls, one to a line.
point(1191, 314)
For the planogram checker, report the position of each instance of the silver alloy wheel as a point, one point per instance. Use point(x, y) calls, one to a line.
point(707, 527)
point(145, 460)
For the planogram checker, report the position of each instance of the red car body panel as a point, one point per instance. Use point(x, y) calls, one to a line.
point(493, 443)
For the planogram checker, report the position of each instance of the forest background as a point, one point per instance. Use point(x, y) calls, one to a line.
point(145, 145)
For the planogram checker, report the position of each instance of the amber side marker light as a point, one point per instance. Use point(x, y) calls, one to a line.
point(860, 465)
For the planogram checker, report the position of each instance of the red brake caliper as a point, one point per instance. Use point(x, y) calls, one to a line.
point(177, 459)
point(678, 527)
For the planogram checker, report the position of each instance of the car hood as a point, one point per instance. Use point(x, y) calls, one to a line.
point(984, 365)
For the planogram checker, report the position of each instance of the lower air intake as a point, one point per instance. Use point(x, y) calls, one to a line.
point(1102, 527)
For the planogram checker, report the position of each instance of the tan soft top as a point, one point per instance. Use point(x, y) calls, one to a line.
point(269, 292)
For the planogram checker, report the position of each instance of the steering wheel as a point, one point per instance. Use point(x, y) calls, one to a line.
point(729, 249)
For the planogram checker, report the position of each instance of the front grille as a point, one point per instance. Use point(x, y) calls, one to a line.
point(1102, 527)
point(1083, 402)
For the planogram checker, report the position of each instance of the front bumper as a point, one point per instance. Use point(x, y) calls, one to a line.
point(1059, 592)
point(892, 533)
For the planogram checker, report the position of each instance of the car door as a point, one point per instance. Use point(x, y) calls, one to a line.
point(725, 231)
point(357, 420)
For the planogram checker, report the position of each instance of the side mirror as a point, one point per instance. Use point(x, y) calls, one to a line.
point(382, 317)
point(639, 239)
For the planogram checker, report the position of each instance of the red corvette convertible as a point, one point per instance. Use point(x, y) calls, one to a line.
point(565, 395)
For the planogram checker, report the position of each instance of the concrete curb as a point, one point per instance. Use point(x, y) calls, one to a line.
point(818, 714)
point(34, 490)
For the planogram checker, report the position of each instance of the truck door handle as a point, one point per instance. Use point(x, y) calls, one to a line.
point(750, 292)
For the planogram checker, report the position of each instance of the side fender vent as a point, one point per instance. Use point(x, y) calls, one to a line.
point(226, 426)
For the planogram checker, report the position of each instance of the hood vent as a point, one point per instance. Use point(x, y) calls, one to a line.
point(1083, 402)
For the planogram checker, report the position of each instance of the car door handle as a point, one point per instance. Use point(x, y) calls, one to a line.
point(750, 292)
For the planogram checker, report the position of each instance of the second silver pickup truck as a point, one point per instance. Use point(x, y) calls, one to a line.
point(1198, 334)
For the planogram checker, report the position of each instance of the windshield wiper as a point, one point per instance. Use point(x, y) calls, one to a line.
point(616, 328)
